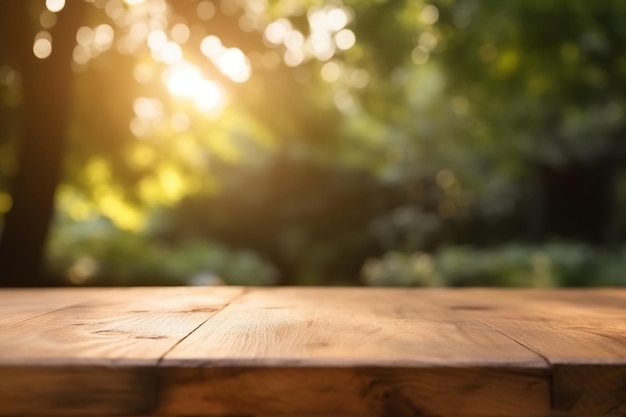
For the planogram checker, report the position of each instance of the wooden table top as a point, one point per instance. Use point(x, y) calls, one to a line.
point(312, 352)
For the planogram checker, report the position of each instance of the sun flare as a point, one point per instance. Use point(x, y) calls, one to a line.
point(187, 81)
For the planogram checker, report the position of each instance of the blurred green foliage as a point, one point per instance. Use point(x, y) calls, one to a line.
point(99, 254)
point(554, 264)
point(414, 156)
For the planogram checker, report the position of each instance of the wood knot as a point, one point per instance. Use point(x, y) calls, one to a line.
point(395, 404)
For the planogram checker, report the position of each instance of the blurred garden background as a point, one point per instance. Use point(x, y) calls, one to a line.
point(313, 142)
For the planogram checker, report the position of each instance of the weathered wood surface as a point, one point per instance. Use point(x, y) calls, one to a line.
point(311, 352)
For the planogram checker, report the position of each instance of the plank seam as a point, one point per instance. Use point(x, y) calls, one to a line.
point(545, 359)
point(550, 366)
point(215, 313)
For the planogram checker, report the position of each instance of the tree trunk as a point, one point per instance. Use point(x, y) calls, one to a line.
point(46, 99)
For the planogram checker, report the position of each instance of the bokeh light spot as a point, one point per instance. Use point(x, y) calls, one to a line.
point(103, 37)
point(180, 33)
point(294, 40)
point(148, 108)
point(293, 58)
point(445, 178)
point(157, 39)
point(234, 64)
point(344, 101)
point(42, 47)
point(47, 19)
point(322, 45)
point(427, 40)
point(247, 23)
point(114, 9)
point(205, 10)
point(331, 71)
point(211, 46)
point(171, 53)
point(9, 77)
point(186, 81)
point(420, 55)
point(276, 31)
point(429, 15)
point(85, 35)
point(140, 127)
point(82, 270)
point(336, 19)
point(55, 6)
point(345, 39)
point(81, 54)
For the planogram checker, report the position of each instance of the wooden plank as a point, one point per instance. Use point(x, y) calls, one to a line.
point(117, 324)
point(76, 391)
point(17, 305)
point(352, 351)
point(99, 356)
point(359, 390)
point(581, 333)
point(280, 352)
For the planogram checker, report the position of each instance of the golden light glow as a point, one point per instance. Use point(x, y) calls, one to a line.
point(85, 35)
point(74, 204)
point(157, 39)
point(234, 64)
point(5, 202)
point(231, 62)
point(166, 186)
point(180, 33)
point(328, 35)
point(103, 37)
point(180, 121)
point(205, 10)
point(55, 5)
point(331, 71)
point(186, 81)
point(42, 47)
point(140, 156)
point(276, 31)
point(143, 72)
point(345, 39)
point(148, 108)
point(47, 19)
point(171, 53)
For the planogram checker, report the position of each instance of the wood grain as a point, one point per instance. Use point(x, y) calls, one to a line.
point(126, 325)
point(389, 352)
point(313, 352)
point(76, 390)
point(17, 305)
point(582, 334)
point(99, 356)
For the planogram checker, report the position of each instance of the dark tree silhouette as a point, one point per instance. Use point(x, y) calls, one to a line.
point(45, 107)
